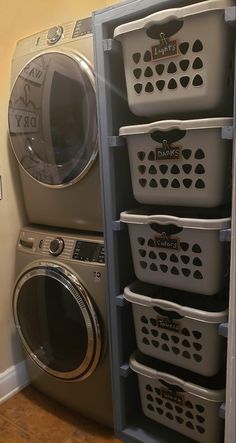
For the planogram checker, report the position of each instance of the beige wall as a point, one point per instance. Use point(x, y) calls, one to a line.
point(19, 19)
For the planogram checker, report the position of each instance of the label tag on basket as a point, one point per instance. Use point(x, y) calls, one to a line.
point(166, 242)
point(172, 395)
point(166, 323)
point(166, 152)
point(166, 48)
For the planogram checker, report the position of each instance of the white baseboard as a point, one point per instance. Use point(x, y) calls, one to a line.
point(13, 380)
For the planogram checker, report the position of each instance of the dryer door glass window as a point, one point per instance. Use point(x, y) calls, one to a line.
point(57, 324)
point(52, 118)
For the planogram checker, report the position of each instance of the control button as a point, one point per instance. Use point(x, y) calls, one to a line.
point(54, 34)
point(56, 246)
point(40, 244)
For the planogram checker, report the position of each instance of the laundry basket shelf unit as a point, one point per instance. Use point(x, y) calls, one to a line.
point(113, 113)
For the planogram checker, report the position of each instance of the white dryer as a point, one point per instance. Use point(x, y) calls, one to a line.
point(60, 312)
point(53, 126)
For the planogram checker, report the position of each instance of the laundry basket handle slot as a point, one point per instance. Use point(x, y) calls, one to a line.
point(170, 386)
point(172, 315)
point(167, 27)
point(169, 229)
point(170, 135)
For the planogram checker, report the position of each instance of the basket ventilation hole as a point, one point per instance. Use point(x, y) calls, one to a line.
point(169, 406)
point(143, 264)
point(197, 64)
point(196, 248)
point(197, 358)
point(145, 330)
point(143, 182)
point(186, 272)
point(187, 182)
point(184, 64)
point(136, 57)
point(142, 252)
point(197, 46)
point(199, 169)
point(187, 168)
point(197, 335)
point(174, 271)
point(198, 275)
point(154, 332)
point(153, 321)
point(151, 156)
point(185, 259)
point(150, 407)
point(149, 397)
point(199, 154)
point(184, 81)
point(160, 411)
point(163, 169)
point(170, 416)
point(172, 84)
point(149, 87)
point(187, 153)
point(159, 69)
point(175, 170)
point(155, 343)
point(153, 267)
point(162, 255)
point(164, 336)
point(184, 246)
point(197, 346)
point(147, 56)
point(189, 404)
point(151, 242)
point(183, 47)
point(185, 332)
point(175, 350)
point(141, 240)
point(158, 391)
point(175, 339)
point(137, 73)
point(174, 258)
point(186, 354)
point(149, 388)
point(197, 261)
point(144, 319)
point(200, 408)
point(200, 184)
point(160, 84)
point(179, 409)
point(146, 341)
point(200, 429)
point(200, 418)
point(164, 182)
point(188, 414)
point(141, 155)
point(186, 344)
point(152, 255)
point(165, 348)
point(148, 72)
point(164, 268)
point(179, 419)
point(138, 87)
point(159, 401)
point(171, 68)
point(175, 183)
point(142, 169)
point(189, 425)
point(153, 183)
point(197, 81)
point(152, 170)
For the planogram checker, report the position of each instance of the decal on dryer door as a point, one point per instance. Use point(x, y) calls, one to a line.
point(34, 73)
point(21, 122)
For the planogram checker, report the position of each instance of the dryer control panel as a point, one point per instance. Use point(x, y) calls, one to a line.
point(88, 251)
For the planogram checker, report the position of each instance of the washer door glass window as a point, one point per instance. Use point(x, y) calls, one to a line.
point(57, 323)
point(52, 118)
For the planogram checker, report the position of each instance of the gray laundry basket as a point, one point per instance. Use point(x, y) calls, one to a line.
point(184, 163)
point(179, 400)
point(178, 60)
point(176, 251)
point(179, 328)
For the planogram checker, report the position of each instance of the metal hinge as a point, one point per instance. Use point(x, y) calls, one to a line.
point(116, 141)
point(118, 225)
point(111, 45)
point(227, 133)
point(225, 234)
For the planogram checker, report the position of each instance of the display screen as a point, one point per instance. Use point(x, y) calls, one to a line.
point(87, 251)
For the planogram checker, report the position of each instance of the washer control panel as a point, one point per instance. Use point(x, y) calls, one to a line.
point(89, 251)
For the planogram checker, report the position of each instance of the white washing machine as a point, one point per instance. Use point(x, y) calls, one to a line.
point(60, 312)
point(53, 126)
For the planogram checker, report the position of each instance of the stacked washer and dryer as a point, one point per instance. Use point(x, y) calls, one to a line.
point(59, 300)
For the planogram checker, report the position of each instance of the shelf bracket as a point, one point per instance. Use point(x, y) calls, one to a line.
point(125, 370)
point(225, 235)
point(230, 14)
point(111, 46)
point(222, 411)
point(227, 133)
point(116, 142)
point(118, 225)
point(121, 301)
point(223, 329)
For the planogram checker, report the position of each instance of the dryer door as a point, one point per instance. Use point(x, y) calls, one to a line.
point(57, 322)
point(52, 118)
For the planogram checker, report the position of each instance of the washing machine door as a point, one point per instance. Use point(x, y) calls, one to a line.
point(57, 322)
point(52, 118)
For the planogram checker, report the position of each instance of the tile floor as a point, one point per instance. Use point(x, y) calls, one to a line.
point(30, 417)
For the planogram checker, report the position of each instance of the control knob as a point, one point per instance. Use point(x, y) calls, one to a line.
point(54, 34)
point(56, 246)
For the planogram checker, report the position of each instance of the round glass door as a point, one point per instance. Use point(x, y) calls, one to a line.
point(52, 118)
point(57, 322)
